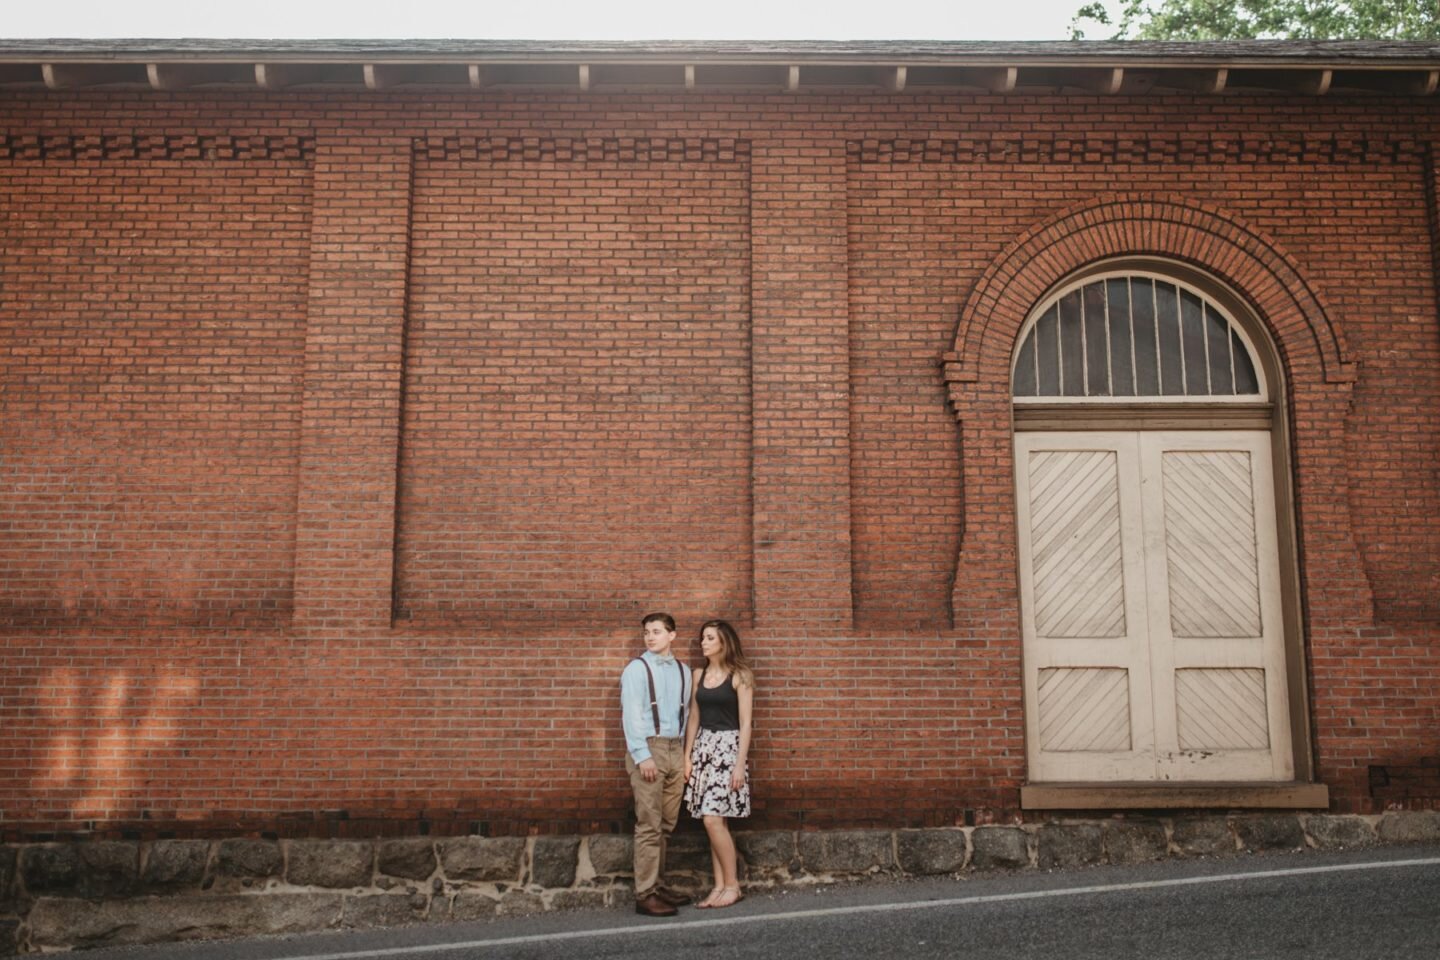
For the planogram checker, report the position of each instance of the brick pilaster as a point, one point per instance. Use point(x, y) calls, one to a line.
point(801, 384)
point(353, 366)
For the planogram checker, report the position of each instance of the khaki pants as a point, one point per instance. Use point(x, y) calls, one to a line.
point(657, 807)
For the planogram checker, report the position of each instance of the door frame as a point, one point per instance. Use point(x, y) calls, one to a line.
point(1269, 415)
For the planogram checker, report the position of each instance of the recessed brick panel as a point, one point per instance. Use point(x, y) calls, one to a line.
point(576, 435)
point(153, 317)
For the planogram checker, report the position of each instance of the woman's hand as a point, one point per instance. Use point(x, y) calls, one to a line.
point(689, 769)
point(737, 779)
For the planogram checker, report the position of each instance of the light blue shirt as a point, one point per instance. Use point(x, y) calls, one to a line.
point(672, 693)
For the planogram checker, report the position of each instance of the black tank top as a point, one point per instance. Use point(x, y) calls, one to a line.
point(720, 706)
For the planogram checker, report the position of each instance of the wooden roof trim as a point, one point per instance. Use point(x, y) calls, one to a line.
point(1313, 69)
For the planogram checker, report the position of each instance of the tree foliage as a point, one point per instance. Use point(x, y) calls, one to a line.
point(1265, 20)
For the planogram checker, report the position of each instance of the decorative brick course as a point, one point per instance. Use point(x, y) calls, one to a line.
point(1052, 148)
point(154, 147)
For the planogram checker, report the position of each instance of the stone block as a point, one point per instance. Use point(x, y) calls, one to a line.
point(384, 910)
point(101, 869)
point(50, 869)
point(520, 903)
point(482, 858)
point(473, 905)
point(695, 884)
point(1069, 845)
point(926, 852)
point(612, 855)
point(56, 923)
point(9, 865)
point(1131, 841)
point(586, 899)
point(248, 859)
point(768, 851)
point(1337, 832)
point(411, 858)
point(997, 847)
point(846, 851)
point(1203, 837)
point(331, 863)
point(1270, 832)
point(109, 868)
point(1410, 826)
point(688, 853)
point(175, 864)
point(553, 861)
point(9, 938)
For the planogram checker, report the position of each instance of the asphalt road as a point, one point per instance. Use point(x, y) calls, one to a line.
point(1354, 905)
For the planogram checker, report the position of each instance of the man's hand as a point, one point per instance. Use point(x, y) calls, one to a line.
point(648, 770)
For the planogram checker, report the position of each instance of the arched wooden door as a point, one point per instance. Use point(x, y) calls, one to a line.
point(1150, 557)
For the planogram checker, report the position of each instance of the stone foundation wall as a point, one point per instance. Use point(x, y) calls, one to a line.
point(83, 894)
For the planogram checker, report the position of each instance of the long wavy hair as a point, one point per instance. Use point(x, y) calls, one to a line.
point(732, 658)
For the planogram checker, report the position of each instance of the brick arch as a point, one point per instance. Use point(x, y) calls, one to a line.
point(1318, 371)
point(1130, 225)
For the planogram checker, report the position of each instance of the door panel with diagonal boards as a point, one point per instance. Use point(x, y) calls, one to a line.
point(1087, 687)
point(1213, 599)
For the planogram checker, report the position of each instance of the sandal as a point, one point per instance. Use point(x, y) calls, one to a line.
point(734, 895)
point(708, 902)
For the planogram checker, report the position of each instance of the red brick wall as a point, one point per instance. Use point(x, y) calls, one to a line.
point(513, 368)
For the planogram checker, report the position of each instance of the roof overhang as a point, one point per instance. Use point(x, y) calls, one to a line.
point(1104, 68)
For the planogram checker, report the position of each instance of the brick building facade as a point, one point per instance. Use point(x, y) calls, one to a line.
point(358, 400)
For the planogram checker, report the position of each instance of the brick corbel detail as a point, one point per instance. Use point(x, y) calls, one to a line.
point(353, 366)
point(801, 382)
point(1317, 365)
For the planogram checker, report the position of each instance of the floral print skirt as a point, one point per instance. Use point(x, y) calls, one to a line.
point(708, 793)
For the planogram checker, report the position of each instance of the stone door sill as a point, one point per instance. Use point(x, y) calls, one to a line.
point(1174, 796)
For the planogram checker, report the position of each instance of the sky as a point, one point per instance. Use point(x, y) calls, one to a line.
point(544, 19)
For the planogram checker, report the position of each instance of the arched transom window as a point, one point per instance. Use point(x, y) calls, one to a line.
point(1135, 337)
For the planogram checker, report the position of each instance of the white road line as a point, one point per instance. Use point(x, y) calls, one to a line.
point(710, 924)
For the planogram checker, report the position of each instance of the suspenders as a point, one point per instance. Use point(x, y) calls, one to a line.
point(655, 700)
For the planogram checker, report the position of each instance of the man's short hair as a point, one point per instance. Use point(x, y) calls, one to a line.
point(664, 618)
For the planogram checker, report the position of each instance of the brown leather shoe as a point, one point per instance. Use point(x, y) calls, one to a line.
point(653, 906)
point(673, 897)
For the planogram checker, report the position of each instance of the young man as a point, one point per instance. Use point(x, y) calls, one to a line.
point(654, 694)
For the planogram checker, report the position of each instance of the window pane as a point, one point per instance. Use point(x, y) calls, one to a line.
point(1147, 364)
point(1122, 377)
point(1072, 349)
point(1134, 336)
point(1025, 367)
point(1047, 343)
point(1192, 326)
point(1245, 380)
point(1217, 338)
point(1097, 342)
point(1167, 321)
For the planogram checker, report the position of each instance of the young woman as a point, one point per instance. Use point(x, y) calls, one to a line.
point(717, 742)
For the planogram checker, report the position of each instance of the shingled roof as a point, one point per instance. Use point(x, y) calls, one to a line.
point(1307, 67)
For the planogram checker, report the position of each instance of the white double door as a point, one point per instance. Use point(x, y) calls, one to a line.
point(1150, 594)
